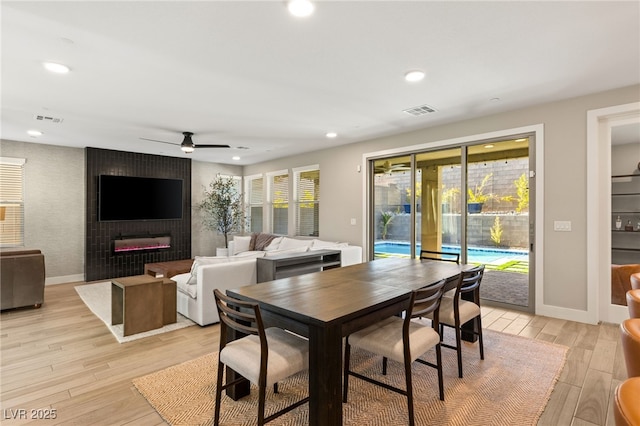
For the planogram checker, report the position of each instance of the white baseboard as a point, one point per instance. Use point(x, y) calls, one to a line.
point(64, 279)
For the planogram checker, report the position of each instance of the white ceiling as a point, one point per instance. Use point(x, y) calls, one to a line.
point(250, 75)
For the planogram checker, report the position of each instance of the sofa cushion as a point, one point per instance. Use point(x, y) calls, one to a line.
point(292, 243)
point(247, 255)
point(324, 245)
point(241, 244)
point(278, 252)
point(203, 260)
point(182, 285)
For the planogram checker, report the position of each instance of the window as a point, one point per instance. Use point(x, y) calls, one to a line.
point(254, 202)
point(307, 201)
point(11, 202)
point(279, 199)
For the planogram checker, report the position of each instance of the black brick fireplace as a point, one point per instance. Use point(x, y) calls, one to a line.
point(121, 248)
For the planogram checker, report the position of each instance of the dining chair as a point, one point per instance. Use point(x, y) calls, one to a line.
point(456, 311)
point(440, 255)
point(401, 340)
point(262, 356)
point(630, 336)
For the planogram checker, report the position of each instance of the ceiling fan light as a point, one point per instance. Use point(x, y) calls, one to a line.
point(187, 145)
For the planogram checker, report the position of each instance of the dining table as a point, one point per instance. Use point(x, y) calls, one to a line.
point(328, 305)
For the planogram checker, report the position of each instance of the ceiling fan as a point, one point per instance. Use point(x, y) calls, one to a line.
point(387, 167)
point(187, 144)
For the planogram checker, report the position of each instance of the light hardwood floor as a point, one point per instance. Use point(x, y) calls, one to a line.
point(62, 357)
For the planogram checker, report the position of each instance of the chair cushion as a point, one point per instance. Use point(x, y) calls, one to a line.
point(288, 354)
point(385, 338)
point(626, 409)
point(468, 310)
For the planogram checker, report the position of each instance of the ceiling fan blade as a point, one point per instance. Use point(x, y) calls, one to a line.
point(155, 140)
point(212, 146)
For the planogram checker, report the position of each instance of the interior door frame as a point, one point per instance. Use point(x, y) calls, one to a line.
point(599, 125)
point(538, 236)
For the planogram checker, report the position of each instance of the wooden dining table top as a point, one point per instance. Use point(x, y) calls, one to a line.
point(334, 294)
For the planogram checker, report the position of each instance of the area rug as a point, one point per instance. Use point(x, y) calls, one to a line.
point(511, 386)
point(97, 297)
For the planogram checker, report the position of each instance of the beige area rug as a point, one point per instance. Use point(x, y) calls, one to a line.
point(511, 386)
point(97, 297)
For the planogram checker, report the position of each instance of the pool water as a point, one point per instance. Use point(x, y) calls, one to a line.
point(476, 254)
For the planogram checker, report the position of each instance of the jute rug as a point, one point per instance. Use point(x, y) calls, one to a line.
point(97, 297)
point(511, 386)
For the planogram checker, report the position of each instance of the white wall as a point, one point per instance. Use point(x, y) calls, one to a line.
point(625, 158)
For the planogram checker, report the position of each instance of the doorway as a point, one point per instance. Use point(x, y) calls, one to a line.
point(474, 199)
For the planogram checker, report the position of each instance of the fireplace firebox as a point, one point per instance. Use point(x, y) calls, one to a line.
point(130, 244)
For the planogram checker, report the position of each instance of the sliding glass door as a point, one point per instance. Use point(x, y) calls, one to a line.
point(471, 199)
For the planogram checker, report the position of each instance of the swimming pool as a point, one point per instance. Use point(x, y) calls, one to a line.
point(476, 254)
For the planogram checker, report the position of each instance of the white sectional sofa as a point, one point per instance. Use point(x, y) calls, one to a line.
point(195, 289)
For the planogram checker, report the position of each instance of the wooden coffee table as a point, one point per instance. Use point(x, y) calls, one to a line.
point(168, 269)
point(142, 303)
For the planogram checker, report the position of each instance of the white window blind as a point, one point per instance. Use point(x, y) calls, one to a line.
point(307, 187)
point(255, 204)
point(279, 192)
point(11, 202)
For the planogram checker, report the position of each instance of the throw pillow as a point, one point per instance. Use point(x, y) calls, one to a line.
point(273, 245)
point(261, 241)
point(240, 244)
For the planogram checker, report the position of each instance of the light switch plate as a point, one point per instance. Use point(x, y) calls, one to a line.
point(562, 225)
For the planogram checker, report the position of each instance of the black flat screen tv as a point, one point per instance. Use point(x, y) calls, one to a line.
point(138, 198)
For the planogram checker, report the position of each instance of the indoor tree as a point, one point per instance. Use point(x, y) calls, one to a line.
point(222, 207)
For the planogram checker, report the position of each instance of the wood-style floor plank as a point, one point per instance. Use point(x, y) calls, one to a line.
point(63, 357)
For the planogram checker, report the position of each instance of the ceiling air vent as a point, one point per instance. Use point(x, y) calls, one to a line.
point(48, 119)
point(420, 110)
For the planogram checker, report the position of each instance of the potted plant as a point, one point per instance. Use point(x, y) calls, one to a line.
point(476, 197)
point(222, 207)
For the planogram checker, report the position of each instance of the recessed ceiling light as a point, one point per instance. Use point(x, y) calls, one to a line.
point(57, 68)
point(331, 135)
point(34, 133)
point(495, 99)
point(414, 75)
point(235, 157)
point(488, 146)
point(300, 8)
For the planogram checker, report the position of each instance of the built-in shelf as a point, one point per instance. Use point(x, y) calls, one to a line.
point(625, 204)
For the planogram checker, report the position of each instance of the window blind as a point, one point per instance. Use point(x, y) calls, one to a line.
point(308, 203)
point(11, 202)
point(255, 204)
point(280, 204)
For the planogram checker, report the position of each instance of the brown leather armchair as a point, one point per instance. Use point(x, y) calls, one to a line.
point(626, 408)
point(22, 278)
point(633, 303)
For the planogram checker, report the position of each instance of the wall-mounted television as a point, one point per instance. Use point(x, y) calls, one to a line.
point(139, 198)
